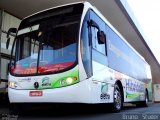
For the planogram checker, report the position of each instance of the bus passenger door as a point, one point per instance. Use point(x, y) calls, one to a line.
point(85, 50)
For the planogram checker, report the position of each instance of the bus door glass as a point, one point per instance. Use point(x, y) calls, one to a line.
point(85, 47)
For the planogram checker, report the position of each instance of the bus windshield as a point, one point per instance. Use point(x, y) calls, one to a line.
point(47, 43)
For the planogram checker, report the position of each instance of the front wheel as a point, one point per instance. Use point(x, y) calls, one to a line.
point(117, 99)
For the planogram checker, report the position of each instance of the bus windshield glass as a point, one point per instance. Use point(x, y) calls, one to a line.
point(47, 42)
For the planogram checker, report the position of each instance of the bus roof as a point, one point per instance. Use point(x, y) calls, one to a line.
point(54, 8)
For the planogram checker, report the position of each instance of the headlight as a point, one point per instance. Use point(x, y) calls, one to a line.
point(69, 80)
point(66, 81)
point(12, 84)
point(63, 82)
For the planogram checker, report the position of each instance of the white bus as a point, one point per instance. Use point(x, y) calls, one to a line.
point(72, 54)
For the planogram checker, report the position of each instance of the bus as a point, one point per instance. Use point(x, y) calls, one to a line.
point(72, 54)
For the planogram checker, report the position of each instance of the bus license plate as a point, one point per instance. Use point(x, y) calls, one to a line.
point(35, 93)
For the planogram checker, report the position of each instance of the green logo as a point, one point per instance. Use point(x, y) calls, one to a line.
point(46, 82)
point(104, 88)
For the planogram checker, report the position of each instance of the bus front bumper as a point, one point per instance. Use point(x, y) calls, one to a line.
point(77, 93)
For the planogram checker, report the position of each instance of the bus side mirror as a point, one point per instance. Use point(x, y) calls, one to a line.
point(101, 37)
point(100, 34)
point(11, 30)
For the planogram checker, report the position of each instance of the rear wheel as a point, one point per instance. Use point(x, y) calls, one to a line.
point(117, 99)
point(145, 102)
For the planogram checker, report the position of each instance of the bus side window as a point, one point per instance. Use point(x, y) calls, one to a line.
point(99, 46)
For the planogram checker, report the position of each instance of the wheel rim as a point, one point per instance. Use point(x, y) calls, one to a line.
point(117, 99)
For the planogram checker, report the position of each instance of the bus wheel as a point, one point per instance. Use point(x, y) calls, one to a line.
point(145, 102)
point(117, 99)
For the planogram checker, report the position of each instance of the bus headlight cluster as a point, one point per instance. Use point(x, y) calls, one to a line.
point(68, 81)
point(12, 84)
point(63, 82)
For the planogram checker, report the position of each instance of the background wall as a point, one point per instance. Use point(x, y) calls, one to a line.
point(6, 21)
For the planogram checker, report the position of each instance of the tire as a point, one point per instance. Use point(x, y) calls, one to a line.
point(145, 102)
point(117, 99)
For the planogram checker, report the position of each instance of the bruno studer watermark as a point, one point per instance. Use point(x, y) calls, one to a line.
point(143, 116)
point(8, 117)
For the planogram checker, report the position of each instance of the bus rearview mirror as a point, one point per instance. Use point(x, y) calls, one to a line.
point(101, 37)
point(11, 30)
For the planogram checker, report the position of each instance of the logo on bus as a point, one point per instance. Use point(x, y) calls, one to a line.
point(46, 82)
point(134, 86)
point(105, 96)
point(104, 88)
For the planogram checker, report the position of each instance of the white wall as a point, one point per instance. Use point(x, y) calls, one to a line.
point(156, 92)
